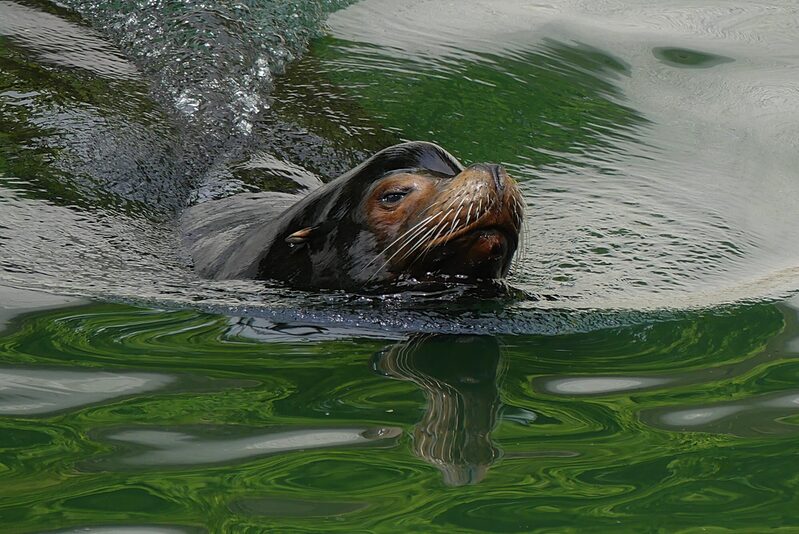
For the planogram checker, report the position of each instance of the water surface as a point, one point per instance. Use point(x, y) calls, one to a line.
point(642, 378)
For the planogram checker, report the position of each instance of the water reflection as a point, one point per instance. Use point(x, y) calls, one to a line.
point(157, 447)
point(753, 416)
point(62, 43)
point(132, 529)
point(268, 331)
point(458, 375)
point(282, 507)
point(25, 392)
point(734, 410)
point(14, 302)
point(350, 430)
point(600, 385)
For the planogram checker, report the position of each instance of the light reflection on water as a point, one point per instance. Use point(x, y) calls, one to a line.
point(640, 183)
point(122, 529)
point(183, 448)
point(39, 391)
point(656, 145)
point(670, 190)
point(277, 423)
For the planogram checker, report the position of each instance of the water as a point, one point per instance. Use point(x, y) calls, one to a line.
point(641, 379)
point(657, 144)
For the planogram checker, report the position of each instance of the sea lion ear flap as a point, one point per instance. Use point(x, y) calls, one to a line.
point(435, 158)
point(301, 236)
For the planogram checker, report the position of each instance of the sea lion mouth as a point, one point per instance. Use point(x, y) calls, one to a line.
point(494, 241)
point(480, 252)
point(507, 232)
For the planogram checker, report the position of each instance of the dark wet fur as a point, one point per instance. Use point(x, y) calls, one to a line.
point(244, 236)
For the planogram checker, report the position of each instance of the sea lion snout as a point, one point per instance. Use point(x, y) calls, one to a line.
point(471, 226)
point(497, 172)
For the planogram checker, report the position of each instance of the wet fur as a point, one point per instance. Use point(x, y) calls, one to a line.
point(326, 238)
point(243, 236)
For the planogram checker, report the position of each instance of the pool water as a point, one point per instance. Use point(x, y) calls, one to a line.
point(641, 377)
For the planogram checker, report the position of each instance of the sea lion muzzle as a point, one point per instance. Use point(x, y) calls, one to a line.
point(470, 231)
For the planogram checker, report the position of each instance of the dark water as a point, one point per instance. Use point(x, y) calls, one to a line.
point(643, 378)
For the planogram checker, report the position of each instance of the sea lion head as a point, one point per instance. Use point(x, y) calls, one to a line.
point(410, 212)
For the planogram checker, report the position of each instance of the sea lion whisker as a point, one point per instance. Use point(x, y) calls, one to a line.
point(416, 240)
point(410, 235)
point(419, 243)
point(519, 259)
point(418, 227)
point(435, 238)
point(428, 249)
point(517, 208)
point(428, 208)
point(424, 238)
point(431, 206)
point(415, 228)
point(421, 240)
point(439, 234)
point(432, 226)
point(455, 217)
point(455, 220)
point(427, 239)
point(523, 230)
point(409, 240)
point(454, 200)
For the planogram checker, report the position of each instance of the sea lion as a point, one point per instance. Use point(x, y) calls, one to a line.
point(410, 212)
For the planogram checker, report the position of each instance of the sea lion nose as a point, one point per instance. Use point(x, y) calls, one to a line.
point(497, 173)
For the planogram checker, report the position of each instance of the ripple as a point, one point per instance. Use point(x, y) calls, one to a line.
point(171, 448)
point(128, 529)
point(601, 385)
point(64, 44)
point(638, 174)
point(276, 507)
point(662, 210)
point(450, 431)
point(219, 56)
point(39, 391)
point(682, 57)
point(762, 415)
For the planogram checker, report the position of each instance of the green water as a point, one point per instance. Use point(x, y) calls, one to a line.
point(643, 379)
point(436, 412)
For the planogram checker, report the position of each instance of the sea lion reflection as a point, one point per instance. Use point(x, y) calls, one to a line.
point(458, 375)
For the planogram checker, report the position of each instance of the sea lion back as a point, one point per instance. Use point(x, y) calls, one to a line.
point(216, 233)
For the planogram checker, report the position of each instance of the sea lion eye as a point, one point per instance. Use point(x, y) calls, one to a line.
point(394, 195)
